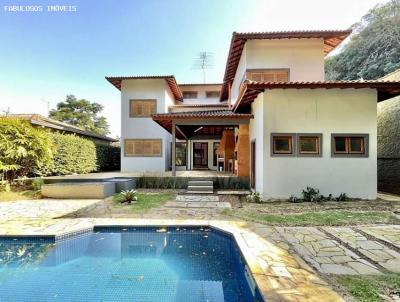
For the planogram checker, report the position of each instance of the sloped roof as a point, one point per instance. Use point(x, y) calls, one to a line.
point(39, 120)
point(250, 89)
point(332, 38)
point(165, 119)
point(170, 79)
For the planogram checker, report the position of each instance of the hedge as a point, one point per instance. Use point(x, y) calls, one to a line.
point(108, 157)
point(29, 151)
point(73, 155)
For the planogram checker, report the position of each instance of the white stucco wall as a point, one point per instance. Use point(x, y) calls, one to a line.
point(134, 128)
point(256, 132)
point(323, 111)
point(201, 94)
point(304, 58)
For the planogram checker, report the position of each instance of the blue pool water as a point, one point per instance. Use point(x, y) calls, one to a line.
point(126, 264)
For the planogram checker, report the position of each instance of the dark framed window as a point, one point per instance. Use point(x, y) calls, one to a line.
point(189, 94)
point(350, 145)
point(215, 157)
point(309, 144)
point(142, 108)
point(180, 154)
point(282, 144)
point(212, 94)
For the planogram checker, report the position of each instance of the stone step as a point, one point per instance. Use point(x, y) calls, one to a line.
point(200, 188)
point(188, 197)
point(201, 183)
point(200, 192)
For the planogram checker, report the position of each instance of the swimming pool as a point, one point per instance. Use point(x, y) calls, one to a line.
point(141, 264)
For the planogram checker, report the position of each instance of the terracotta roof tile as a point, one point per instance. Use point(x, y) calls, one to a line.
point(250, 89)
point(226, 113)
point(332, 38)
point(170, 79)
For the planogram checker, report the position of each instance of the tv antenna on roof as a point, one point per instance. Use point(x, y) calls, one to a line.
point(203, 61)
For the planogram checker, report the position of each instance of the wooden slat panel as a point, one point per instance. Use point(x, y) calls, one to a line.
point(143, 147)
point(143, 108)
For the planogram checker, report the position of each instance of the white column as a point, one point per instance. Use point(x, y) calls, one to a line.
point(173, 151)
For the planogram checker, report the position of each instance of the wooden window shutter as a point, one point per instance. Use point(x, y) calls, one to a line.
point(282, 76)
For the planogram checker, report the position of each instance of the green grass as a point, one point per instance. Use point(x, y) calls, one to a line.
point(337, 217)
point(19, 195)
point(372, 288)
point(145, 201)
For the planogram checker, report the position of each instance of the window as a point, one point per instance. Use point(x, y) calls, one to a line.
point(215, 157)
point(189, 94)
point(143, 147)
point(282, 144)
point(350, 145)
point(268, 75)
point(180, 154)
point(309, 144)
point(212, 94)
point(142, 108)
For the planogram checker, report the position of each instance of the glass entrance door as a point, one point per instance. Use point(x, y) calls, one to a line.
point(200, 155)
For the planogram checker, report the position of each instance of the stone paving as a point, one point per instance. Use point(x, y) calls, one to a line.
point(50, 208)
point(288, 263)
point(324, 254)
point(197, 198)
point(372, 249)
point(390, 235)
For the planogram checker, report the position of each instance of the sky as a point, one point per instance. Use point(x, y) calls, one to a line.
point(46, 55)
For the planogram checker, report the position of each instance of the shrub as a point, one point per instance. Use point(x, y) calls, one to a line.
point(126, 196)
point(37, 184)
point(73, 155)
point(22, 148)
point(254, 197)
point(108, 157)
point(342, 197)
point(311, 194)
point(4, 186)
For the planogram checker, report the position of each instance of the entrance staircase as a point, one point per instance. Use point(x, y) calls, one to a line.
point(200, 187)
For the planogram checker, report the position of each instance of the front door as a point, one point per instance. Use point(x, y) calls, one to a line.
point(253, 164)
point(200, 155)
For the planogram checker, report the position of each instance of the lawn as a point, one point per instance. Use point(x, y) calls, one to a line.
point(145, 201)
point(318, 213)
point(15, 195)
point(372, 288)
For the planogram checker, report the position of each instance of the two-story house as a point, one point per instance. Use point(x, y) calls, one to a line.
point(274, 119)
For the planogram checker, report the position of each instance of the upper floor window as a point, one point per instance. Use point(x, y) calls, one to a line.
point(212, 94)
point(189, 94)
point(268, 75)
point(142, 108)
point(350, 145)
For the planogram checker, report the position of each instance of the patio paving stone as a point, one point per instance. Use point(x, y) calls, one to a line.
point(322, 253)
point(384, 256)
point(388, 233)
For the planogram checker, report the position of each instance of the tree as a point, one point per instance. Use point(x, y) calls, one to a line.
point(81, 113)
point(23, 148)
point(374, 48)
